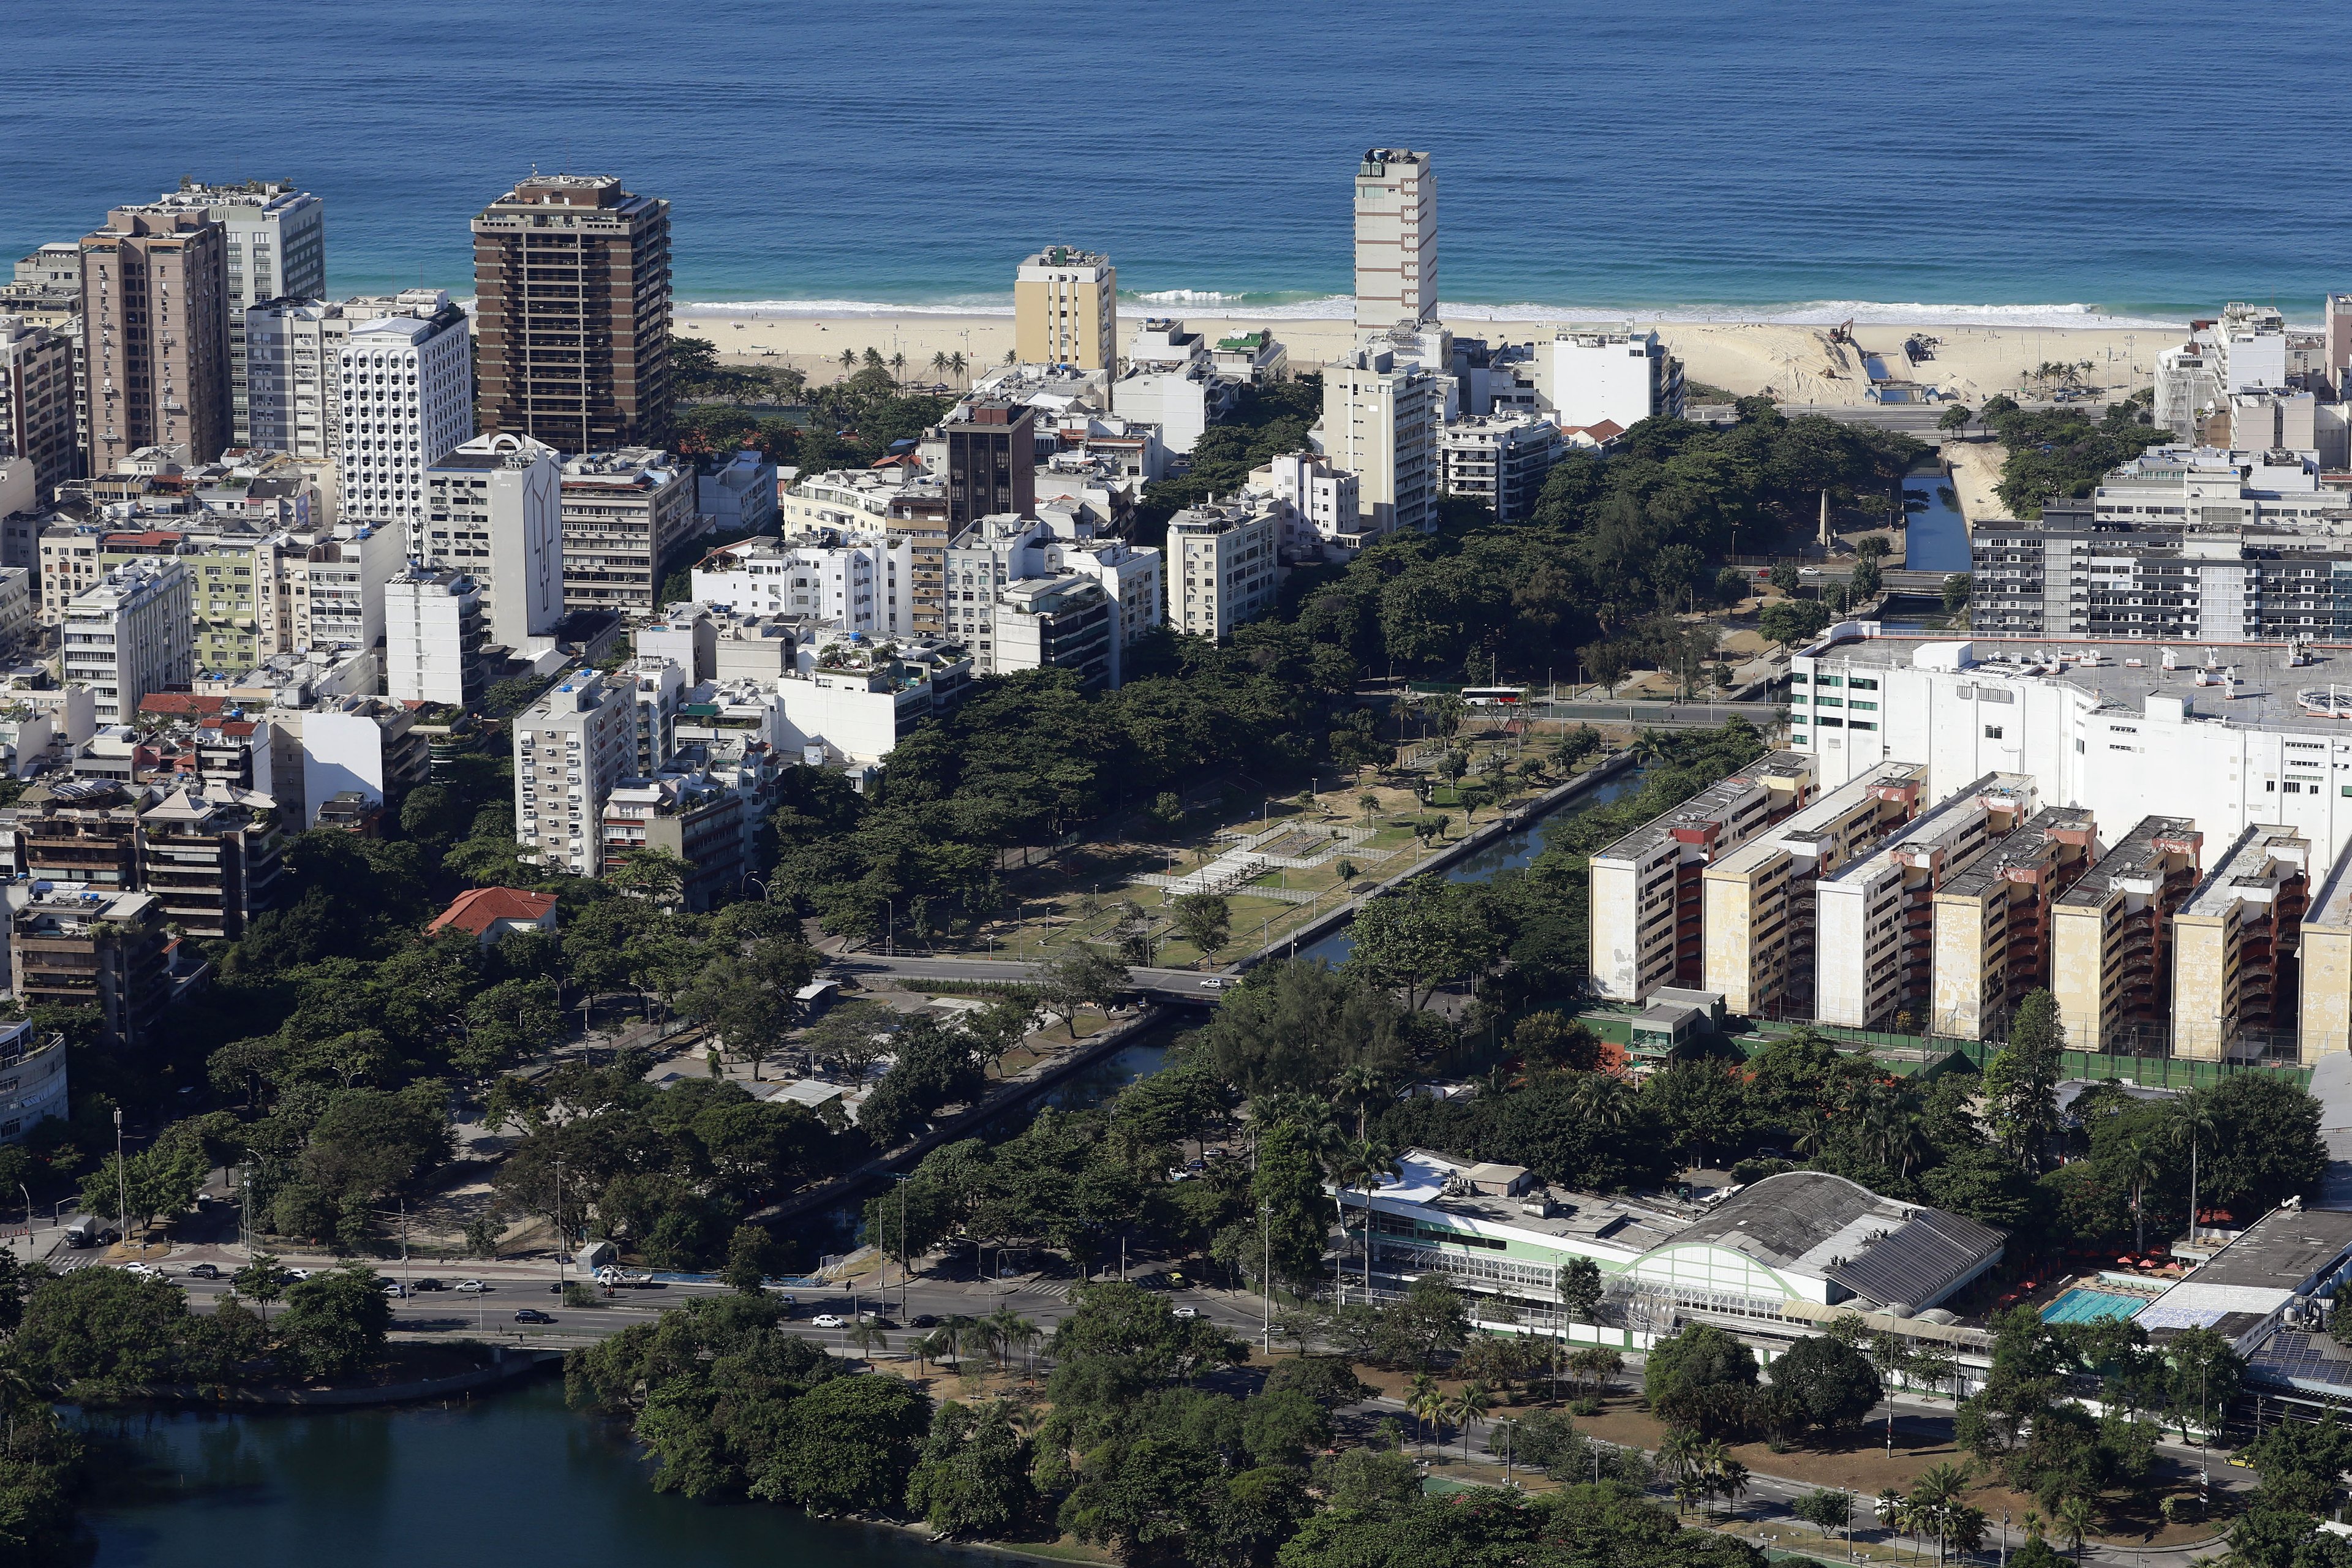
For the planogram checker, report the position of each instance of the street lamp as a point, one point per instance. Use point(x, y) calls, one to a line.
point(1266, 1269)
point(122, 1185)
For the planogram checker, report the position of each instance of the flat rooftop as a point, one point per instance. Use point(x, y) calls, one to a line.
point(2287, 1249)
point(1713, 804)
point(1948, 818)
point(2332, 905)
point(2126, 674)
point(2243, 868)
point(2131, 860)
point(1810, 821)
point(1613, 1222)
point(2024, 846)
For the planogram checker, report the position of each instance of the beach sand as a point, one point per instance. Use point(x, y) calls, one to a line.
point(1794, 363)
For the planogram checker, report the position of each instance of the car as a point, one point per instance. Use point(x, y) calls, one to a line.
point(1188, 1313)
point(293, 1274)
point(877, 1319)
point(1809, 571)
point(1218, 982)
point(555, 1289)
point(428, 1283)
point(145, 1270)
point(825, 1320)
point(471, 1288)
point(204, 1272)
point(923, 1321)
point(394, 1288)
point(532, 1315)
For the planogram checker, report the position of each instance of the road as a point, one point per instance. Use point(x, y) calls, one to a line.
point(1176, 984)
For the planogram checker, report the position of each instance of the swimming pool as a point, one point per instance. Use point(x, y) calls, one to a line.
point(2081, 1306)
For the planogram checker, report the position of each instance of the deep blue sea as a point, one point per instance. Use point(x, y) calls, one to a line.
point(1752, 157)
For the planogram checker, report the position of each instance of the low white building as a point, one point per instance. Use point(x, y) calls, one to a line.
point(363, 744)
point(1625, 376)
point(865, 580)
point(855, 709)
point(1325, 512)
point(435, 636)
point(1183, 401)
point(740, 498)
point(1130, 578)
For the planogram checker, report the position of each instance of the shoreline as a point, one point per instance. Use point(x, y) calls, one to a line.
point(1793, 363)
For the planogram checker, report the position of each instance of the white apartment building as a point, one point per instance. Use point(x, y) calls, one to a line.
point(740, 498)
point(571, 748)
point(981, 561)
point(1324, 512)
point(1396, 238)
point(1624, 377)
point(1224, 566)
point(1184, 401)
point(2249, 348)
point(434, 630)
point(275, 238)
point(1131, 578)
point(335, 585)
point(37, 416)
point(2186, 383)
point(495, 511)
point(1056, 622)
point(293, 350)
point(2122, 730)
point(406, 401)
point(864, 580)
point(1500, 459)
point(851, 707)
point(1380, 419)
point(661, 686)
point(129, 635)
point(846, 499)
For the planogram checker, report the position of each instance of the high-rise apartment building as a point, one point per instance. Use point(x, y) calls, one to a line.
point(406, 401)
point(495, 511)
point(2233, 963)
point(572, 313)
point(1380, 422)
point(1066, 310)
point(1501, 460)
point(36, 405)
point(154, 292)
point(435, 636)
point(571, 749)
point(1396, 239)
point(1993, 921)
point(275, 242)
point(991, 462)
point(45, 290)
point(130, 635)
point(623, 512)
point(2111, 938)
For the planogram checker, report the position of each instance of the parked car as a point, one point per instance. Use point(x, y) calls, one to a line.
point(532, 1315)
point(428, 1283)
point(825, 1320)
point(204, 1272)
point(877, 1319)
point(471, 1288)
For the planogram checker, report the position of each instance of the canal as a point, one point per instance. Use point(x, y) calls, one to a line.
point(1935, 533)
point(514, 1479)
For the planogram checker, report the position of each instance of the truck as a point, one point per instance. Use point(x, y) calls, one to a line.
point(88, 1231)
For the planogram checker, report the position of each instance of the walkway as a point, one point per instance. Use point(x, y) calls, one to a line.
point(2331, 1085)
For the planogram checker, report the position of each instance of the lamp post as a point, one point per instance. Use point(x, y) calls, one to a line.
point(559, 1226)
point(122, 1183)
point(1266, 1269)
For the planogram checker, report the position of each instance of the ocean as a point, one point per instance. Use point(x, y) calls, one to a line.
point(1749, 159)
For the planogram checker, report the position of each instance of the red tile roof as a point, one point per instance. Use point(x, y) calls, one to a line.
point(181, 702)
point(479, 909)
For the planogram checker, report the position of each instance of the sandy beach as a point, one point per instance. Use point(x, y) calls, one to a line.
point(1794, 363)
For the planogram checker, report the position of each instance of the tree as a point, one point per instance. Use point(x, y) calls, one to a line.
point(1082, 976)
point(1872, 547)
point(653, 874)
point(1470, 1406)
point(851, 1445)
point(752, 1255)
point(99, 1328)
point(972, 1478)
point(1426, 933)
point(1958, 586)
point(1830, 1383)
point(1431, 1320)
point(2076, 1521)
point(1203, 920)
point(1864, 581)
point(1580, 1290)
point(1701, 1379)
point(1955, 419)
point(335, 1322)
point(2020, 1081)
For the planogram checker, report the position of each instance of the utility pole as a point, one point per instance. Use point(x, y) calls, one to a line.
point(559, 1225)
point(403, 1249)
point(121, 1182)
point(1266, 1267)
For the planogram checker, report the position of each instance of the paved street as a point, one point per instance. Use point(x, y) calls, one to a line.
point(1176, 984)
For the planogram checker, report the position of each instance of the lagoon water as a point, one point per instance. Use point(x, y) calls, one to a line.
point(515, 1479)
point(1743, 158)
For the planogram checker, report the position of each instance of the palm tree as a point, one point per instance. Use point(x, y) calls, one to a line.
point(2075, 1518)
point(1893, 1510)
point(1683, 1453)
point(1933, 1496)
point(940, 363)
point(1651, 746)
point(1374, 1162)
point(899, 368)
point(2141, 1166)
point(958, 365)
point(1363, 1087)
point(1424, 1403)
point(868, 1338)
point(2192, 1123)
point(1889, 1357)
point(848, 358)
point(1367, 802)
point(1470, 1407)
point(1604, 1103)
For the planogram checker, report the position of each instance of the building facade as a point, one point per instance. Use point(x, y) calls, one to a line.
point(1066, 308)
point(154, 290)
point(572, 282)
point(37, 406)
point(274, 239)
point(406, 399)
point(1223, 568)
point(1396, 238)
point(991, 461)
point(624, 513)
point(572, 748)
point(1380, 422)
point(130, 634)
point(1501, 460)
point(2111, 938)
point(495, 511)
point(437, 636)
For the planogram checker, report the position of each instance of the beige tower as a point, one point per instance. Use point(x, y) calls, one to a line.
point(1066, 310)
point(1396, 239)
point(2234, 945)
point(155, 320)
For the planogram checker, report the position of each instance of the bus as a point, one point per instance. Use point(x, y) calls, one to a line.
point(1494, 696)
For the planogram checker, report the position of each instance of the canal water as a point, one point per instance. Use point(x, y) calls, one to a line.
point(1510, 852)
point(1935, 536)
point(515, 1479)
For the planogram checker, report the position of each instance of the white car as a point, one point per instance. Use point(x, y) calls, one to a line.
point(824, 1321)
point(1188, 1312)
point(470, 1288)
point(1218, 982)
point(394, 1287)
point(292, 1274)
point(145, 1270)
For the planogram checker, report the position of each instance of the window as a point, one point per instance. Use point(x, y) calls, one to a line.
point(1992, 731)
